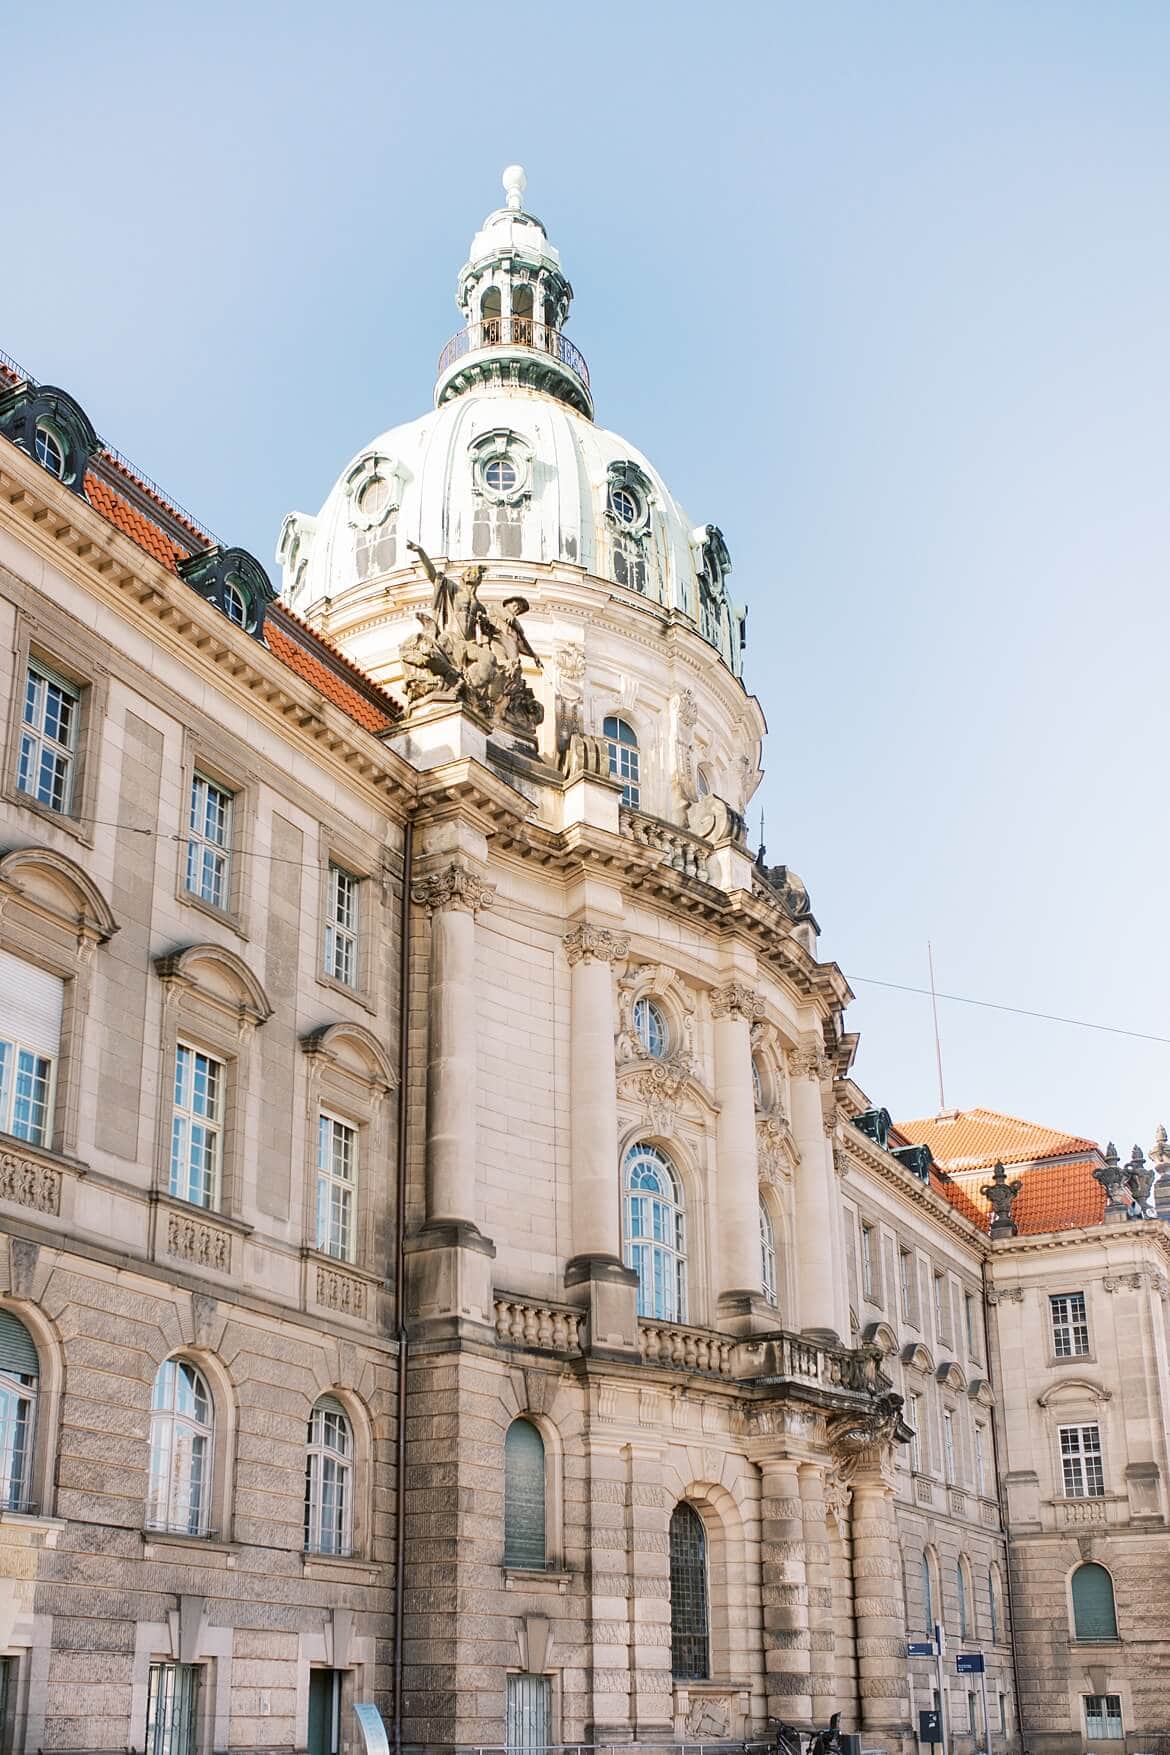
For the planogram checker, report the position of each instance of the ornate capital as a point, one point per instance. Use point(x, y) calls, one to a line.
point(454, 887)
point(587, 943)
point(807, 1059)
point(736, 1000)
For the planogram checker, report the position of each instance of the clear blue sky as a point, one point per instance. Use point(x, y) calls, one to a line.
point(883, 290)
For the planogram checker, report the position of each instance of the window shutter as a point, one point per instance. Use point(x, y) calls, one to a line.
point(523, 1495)
point(1094, 1613)
point(329, 1404)
point(31, 1002)
point(17, 1353)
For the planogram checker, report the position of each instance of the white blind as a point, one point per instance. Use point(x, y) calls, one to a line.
point(30, 1005)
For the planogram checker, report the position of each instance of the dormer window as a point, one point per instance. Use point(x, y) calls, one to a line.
point(234, 605)
point(50, 451)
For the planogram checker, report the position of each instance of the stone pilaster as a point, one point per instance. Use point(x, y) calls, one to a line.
point(816, 1193)
point(742, 1305)
point(787, 1653)
point(819, 1586)
point(456, 1283)
point(595, 1270)
point(879, 1607)
point(608, 1584)
point(648, 1510)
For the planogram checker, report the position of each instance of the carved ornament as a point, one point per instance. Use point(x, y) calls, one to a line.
point(26, 1183)
point(736, 1000)
point(587, 944)
point(807, 1060)
point(454, 887)
point(194, 1240)
point(461, 653)
point(341, 1292)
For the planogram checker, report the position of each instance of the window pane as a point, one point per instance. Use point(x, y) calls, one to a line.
point(689, 1628)
point(524, 1527)
point(1094, 1612)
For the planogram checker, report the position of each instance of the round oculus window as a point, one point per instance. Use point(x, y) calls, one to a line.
point(373, 496)
point(625, 505)
point(50, 450)
point(501, 475)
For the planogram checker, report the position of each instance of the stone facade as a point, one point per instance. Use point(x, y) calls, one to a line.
point(549, 1098)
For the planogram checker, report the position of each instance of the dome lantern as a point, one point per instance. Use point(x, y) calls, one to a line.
point(515, 300)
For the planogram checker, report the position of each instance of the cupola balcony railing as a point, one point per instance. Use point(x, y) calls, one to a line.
point(514, 332)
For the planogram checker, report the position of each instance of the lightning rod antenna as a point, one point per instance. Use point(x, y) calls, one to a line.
point(942, 1101)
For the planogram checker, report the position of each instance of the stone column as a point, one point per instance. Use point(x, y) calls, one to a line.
point(816, 1193)
point(787, 1654)
point(740, 1292)
point(819, 1584)
point(450, 1258)
point(880, 1606)
point(596, 1263)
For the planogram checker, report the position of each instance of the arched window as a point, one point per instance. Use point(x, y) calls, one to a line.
point(19, 1374)
point(623, 758)
point(690, 1638)
point(235, 605)
point(524, 1542)
point(50, 450)
point(655, 1236)
point(329, 1480)
point(768, 1256)
point(1094, 1609)
point(757, 1082)
point(181, 1432)
point(650, 1028)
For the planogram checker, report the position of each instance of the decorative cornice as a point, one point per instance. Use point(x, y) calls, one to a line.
point(736, 1000)
point(587, 944)
point(454, 887)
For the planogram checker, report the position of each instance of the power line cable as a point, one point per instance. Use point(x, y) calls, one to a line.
point(1019, 1010)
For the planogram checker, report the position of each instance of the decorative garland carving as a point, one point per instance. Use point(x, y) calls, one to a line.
point(26, 1183)
point(454, 887)
point(193, 1240)
point(341, 1292)
point(586, 944)
point(658, 1085)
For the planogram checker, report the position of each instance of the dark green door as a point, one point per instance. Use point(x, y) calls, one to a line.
point(324, 1712)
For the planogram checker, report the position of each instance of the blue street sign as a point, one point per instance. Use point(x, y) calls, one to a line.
point(920, 1648)
point(969, 1663)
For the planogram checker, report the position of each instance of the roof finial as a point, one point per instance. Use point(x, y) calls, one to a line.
point(515, 183)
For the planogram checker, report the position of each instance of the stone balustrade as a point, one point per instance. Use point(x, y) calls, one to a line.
point(687, 1349)
point(523, 1322)
point(809, 1361)
point(685, 853)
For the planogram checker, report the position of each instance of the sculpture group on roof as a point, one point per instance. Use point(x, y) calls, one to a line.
point(462, 653)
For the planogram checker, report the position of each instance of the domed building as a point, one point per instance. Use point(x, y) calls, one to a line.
point(446, 1262)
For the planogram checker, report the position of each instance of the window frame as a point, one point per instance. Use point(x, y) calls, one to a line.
point(1105, 1718)
point(906, 1273)
point(49, 644)
point(319, 1456)
point(673, 1254)
point(333, 928)
point(949, 1448)
point(35, 731)
point(914, 1407)
point(160, 1739)
point(684, 1513)
point(171, 1418)
point(212, 1124)
point(198, 840)
point(327, 1181)
point(657, 1021)
point(769, 1269)
point(202, 759)
point(1081, 1456)
point(627, 769)
point(868, 1282)
point(1092, 1638)
point(1068, 1324)
point(515, 1559)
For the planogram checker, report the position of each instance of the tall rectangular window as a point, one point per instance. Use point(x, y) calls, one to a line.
point(31, 1004)
point(938, 1305)
point(171, 1708)
point(341, 926)
point(1103, 1717)
point(980, 1457)
point(969, 1322)
point(972, 1718)
point(209, 831)
point(48, 738)
point(197, 1126)
point(906, 1283)
point(914, 1421)
point(948, 1426)
point(1003, 1714)
point(1070, 1325)
point(867, 1259)
point(1080, 1461)
point(336, 1181)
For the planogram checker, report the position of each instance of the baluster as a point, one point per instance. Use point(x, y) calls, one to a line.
point(530, 1324)
point(703, 1354)
point(501, 1319)
point(690, 1351)
point(517, 1330)
point(560, 1332)
point(545, 1329)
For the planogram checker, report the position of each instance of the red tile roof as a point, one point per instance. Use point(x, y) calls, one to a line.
point(968, 1139)
point(1055, 1197)
point(289, 639)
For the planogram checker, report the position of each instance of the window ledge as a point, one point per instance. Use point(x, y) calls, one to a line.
point(330, 1565)
point(1080, 1644)
point(161, 1197)
point(33, 1521)
point(345, 1267)
point(153, 1540)
point(225, 916)
point(359, 995)
point(73, 826)
point(549, 1578)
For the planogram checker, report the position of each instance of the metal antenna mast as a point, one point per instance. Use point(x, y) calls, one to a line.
point(942, 1101)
